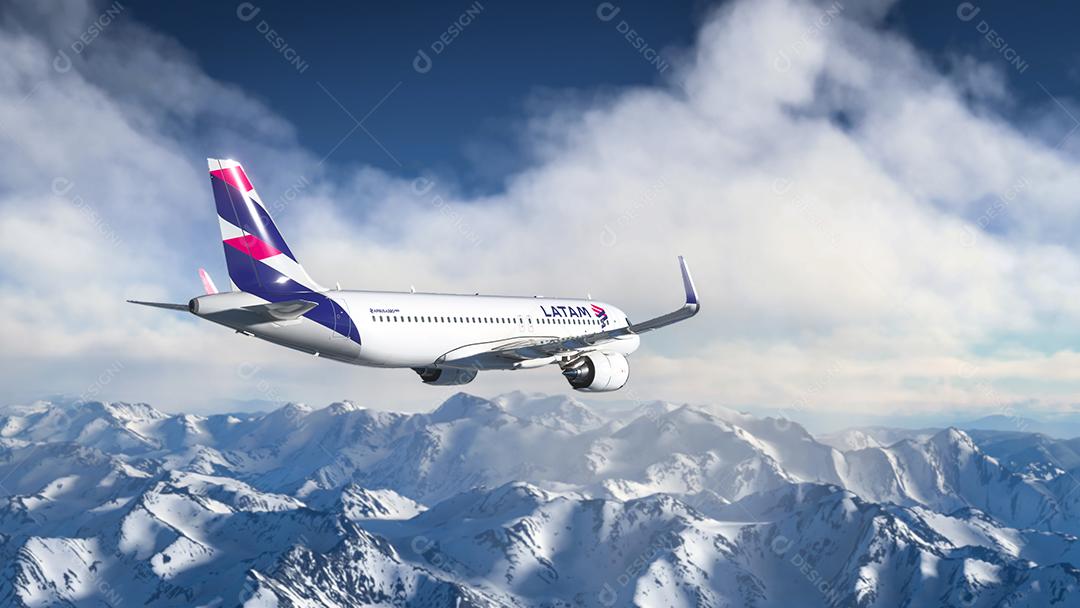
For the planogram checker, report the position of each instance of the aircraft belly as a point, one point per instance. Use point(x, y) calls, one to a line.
point(309, 337)
point(397, 348)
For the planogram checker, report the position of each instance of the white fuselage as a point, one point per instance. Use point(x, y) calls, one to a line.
point(421, 330)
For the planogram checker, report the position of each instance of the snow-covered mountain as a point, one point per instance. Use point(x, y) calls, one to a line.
point(523, 500)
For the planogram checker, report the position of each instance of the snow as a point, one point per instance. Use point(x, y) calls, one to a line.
point(520, 500)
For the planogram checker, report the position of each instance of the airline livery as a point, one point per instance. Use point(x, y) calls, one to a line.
point(444, 338)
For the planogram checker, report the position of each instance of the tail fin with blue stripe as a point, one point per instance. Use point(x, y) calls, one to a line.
point(258, 258)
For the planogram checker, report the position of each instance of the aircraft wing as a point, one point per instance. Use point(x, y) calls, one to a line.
point(551, 348)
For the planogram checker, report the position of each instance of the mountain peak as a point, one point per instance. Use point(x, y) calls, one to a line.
point(463, 405)
point(293, 409)
point(953, 436)
point(120, 411)
point(343, 407)
point(553, 411)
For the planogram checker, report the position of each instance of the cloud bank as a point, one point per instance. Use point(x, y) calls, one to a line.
point(868, 233)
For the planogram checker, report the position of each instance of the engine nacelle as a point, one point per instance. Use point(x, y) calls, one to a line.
point(445, 376)
point(599, 372)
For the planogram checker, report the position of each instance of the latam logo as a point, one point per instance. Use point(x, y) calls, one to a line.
point(600, 314)
point(565, 311)
point(576, 311)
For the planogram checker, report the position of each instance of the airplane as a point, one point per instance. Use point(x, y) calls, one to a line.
point(445, 338)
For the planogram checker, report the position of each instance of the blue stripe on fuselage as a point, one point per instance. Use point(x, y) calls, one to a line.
point(263, 281)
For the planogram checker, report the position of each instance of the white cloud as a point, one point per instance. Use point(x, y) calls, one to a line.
point(863, 229)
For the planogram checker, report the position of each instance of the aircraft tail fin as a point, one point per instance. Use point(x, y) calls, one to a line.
point(257, 256)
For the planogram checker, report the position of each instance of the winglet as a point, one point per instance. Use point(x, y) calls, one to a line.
point(688, 283)
point(689, 309)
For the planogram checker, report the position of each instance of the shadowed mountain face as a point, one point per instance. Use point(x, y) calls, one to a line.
point(523, 500)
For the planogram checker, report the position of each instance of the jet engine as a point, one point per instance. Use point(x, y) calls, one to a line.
point(445, 376)
point(598, 372)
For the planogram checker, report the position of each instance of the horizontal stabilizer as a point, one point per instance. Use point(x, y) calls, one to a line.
point(283, 311)
point(161, 305)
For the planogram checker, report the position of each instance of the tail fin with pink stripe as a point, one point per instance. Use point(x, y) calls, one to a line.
point(258, 259)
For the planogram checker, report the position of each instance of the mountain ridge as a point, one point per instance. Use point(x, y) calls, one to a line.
point(518, 500)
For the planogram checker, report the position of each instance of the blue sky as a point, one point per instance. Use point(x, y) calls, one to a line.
point(454, 118)
point(878, 201)
point(516, 56)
